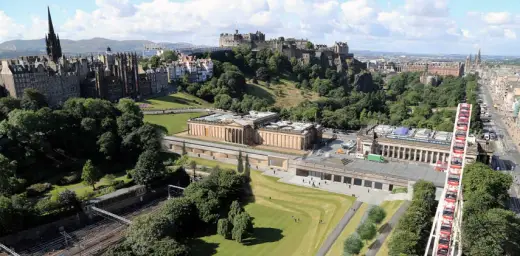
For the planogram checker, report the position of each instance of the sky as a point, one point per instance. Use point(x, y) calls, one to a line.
point(414, 26)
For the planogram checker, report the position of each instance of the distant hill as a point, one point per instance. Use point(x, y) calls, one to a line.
point(15, 48)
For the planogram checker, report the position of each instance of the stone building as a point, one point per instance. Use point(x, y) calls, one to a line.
point(198, 70)
point(334, 56)
point(115, 76)
point(56, 77)
point(256, 128)
point(158, 79)
point(236, 39)
point(432, 68)
point(415, 145)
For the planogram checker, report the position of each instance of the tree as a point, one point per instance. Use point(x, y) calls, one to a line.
point(144, 231)
point(495, 232)
point(68, 198)
point(367, 230)
point(223, 101)
point(193, 166)
point(234, 210)
point(170, 56)
point(183, 148)
point(181, 216)
point(7, 104)
point(376, 214)
point(352, 245)
point(242, 227)
point(224, 228)
point(247, 167)
point(90, 174)
point(403, 242)
point(8, 179)
point(309, 45)
point(262, 74)
point(240, 164)
point(155, 61)
point(148, 168)
point(169, 247)
point(129, 106)
point(33, 100)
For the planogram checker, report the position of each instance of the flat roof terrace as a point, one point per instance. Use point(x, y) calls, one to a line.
point(250, 118)
point(410, 136)
point(407, 171)
point(292, 127)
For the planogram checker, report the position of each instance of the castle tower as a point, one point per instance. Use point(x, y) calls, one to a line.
point(52, 41)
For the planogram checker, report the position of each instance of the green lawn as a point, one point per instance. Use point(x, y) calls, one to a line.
point(282, 94)
point(173, 123)
point(275, 232)
point(337, 247)
point(176, 100)
point(81, 189)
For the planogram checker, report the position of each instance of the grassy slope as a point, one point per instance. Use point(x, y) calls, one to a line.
point(173, 123)
point(283, 94)
point(176, 100)
point(275, 231)
point(81, 189)
point(337, 247)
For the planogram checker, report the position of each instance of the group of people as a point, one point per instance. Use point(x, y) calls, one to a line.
point(295, 219)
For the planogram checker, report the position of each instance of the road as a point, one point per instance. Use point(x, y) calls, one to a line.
point(327, 244)
point(506, 150)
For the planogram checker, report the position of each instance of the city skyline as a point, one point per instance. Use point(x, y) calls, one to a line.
point(423, 26)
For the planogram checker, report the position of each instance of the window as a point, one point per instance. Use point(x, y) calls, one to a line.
point(378, 185)
point(347, 180)
point(337, 178)
point(368, 183)
point(358, 182)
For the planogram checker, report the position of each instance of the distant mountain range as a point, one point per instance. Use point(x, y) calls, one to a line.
point(14, 48)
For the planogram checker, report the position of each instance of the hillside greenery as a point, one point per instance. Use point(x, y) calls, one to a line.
point(348, 99)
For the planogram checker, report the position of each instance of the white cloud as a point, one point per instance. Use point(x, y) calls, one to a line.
point(414, 23)
point(497, 18)
point(508, 33)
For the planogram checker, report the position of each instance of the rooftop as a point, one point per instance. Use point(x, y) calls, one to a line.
point(290, 126)
point(248, 119)
point(407, 171)
point(412, 134)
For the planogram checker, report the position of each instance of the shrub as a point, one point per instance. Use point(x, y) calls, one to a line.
point(71, 178)
point(38, 189)
point(68, 198)
point(46, 205)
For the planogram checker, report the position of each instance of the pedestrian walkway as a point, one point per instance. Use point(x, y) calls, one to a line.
point(325, 247)
point(388, 228)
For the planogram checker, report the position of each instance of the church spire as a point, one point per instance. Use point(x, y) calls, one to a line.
point(49, 20)
point(52, 41)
